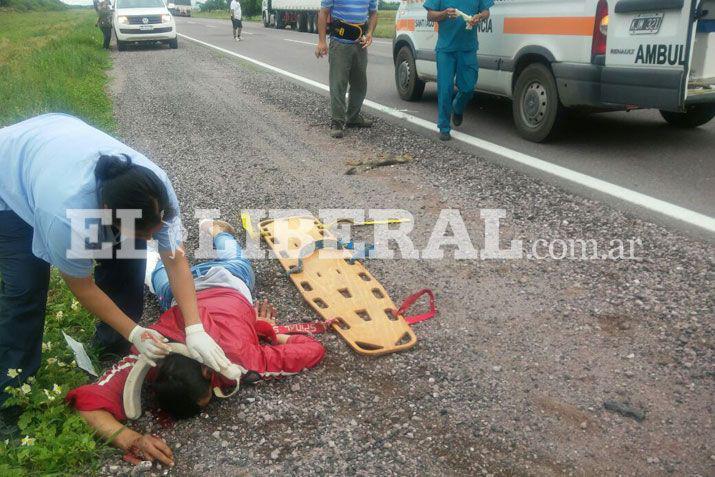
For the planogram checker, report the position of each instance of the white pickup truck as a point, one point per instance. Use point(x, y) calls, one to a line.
point(143, 21)
point(551, 55)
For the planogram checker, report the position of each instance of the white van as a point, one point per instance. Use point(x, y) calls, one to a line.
point(143, 21)
point(550, 55)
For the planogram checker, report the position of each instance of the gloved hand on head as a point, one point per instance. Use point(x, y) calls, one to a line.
point(204, 349)
point(131, 396)
point(150, 343)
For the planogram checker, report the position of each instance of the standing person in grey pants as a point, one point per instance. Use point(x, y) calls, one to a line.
point(351, 27)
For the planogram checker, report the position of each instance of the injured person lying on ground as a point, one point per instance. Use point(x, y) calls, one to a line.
point(180, 385)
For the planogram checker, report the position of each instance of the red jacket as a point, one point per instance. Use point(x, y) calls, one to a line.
point(230, 320)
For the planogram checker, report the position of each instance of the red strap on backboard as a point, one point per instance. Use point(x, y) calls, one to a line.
point(318, 327)
point(410, 300)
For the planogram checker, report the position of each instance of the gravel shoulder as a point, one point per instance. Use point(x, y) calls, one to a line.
point(510, 378)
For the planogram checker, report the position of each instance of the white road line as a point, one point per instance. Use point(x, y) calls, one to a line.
point(298, 41)
point(647, 202)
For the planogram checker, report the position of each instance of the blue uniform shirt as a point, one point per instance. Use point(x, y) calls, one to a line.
point(349, 11)
point(453, 34)
point(47, 166)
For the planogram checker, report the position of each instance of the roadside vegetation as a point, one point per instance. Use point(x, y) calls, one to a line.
point(29, 5)
point(54, 440)
point(385, 24)
point(224, 14)
point(51, 60)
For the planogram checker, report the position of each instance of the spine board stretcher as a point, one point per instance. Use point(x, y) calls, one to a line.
point(339, 288)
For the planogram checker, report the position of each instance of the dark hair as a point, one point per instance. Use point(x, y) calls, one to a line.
point(125, 185)
point(179, 385)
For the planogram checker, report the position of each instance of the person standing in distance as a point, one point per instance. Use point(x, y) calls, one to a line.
point(235, 8)
point(104, 21)
point(351, 27)
point(456, 51)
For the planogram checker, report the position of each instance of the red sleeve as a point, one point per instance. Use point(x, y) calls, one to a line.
point(107, 393)
point(298, 353)
point(265, 330)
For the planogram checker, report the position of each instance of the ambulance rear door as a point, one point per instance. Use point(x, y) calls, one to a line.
point(701, 81)
point(649, 47)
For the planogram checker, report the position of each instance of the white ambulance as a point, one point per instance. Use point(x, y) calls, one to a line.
point(551, 55)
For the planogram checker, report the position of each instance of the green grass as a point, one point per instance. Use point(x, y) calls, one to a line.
point(220, 14)
point(54, 440)
point(224, 15)
point(385, 21)
point(385, 24)
point(53, 61)
point(28, 5)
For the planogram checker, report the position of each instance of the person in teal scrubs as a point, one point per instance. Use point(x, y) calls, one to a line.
point(456, 56)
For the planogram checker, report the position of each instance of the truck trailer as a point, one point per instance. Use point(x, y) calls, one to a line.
point(181, 8)
point(301, 15)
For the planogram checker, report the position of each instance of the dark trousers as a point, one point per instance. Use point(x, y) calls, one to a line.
point(348, 66)
point(24, 282)
point(123, 281)
point(107, 32)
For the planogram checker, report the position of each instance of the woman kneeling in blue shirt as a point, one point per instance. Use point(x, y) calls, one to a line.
point(64, 188)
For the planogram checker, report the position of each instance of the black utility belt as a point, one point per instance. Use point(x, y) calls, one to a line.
point(347, 31)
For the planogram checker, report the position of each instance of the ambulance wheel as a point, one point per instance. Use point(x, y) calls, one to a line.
point(121, 45)
point(536, 106)
point(694, 116)
point(409, 86)
point(174, 44)
point(279, 21)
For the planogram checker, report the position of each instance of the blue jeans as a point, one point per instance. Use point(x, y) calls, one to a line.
point(461, 66)
point(23, 298)
point(230, 257)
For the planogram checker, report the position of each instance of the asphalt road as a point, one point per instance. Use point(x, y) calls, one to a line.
point(635, 150)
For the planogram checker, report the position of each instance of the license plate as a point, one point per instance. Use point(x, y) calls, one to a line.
point(646, 24)
point(146, 27)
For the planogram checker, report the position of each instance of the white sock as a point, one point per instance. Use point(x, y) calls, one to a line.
point(152, 258)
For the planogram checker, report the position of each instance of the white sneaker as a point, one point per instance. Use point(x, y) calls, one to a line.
point(214, 227)
point(236, 38)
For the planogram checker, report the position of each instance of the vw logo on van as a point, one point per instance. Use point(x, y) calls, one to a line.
point(145, 20)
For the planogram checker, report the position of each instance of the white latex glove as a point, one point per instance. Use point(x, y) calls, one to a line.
point(150, 343)
point(232, 372)
point(204, 349)
point(465, 17)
